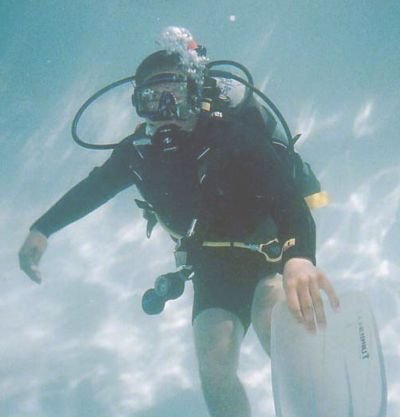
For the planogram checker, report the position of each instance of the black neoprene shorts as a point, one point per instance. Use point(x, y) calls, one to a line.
point(226, 278)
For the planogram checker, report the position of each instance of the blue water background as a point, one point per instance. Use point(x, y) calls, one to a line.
point(79, 345)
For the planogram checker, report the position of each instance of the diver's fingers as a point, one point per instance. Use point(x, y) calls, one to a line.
point(30, 254)
point(306, 304)
point(32, 271)
point(325, 284)
point(34, 274)
point(294, 302)
point(29, 265)
point(318, 304)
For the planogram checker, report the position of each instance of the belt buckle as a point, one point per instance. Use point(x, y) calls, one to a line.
point(271, 250)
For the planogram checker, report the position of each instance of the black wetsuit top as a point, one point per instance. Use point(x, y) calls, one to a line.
point(226, 173)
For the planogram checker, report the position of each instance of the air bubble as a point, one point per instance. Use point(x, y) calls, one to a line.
point(179, 40)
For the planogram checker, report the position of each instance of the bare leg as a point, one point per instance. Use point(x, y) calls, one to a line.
point(268, 292)
point(218, 335)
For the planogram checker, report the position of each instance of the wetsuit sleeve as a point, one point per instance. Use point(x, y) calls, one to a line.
point(103, 183)
point(271, 180)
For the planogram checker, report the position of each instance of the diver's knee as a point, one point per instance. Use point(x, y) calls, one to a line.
point(268, 293)
point(218, 336)
point(219, 362)
point(216, 372)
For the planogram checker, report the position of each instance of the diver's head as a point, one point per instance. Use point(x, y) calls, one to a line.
point(157, 62)
point(165, 90)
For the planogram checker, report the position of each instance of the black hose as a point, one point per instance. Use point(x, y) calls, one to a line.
point(85, 105)
point(213, 73)
point(263, 97)
point(229, 75)
point(252, 89)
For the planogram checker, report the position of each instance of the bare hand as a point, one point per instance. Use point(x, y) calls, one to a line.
point(302, 282)
point(30, 254)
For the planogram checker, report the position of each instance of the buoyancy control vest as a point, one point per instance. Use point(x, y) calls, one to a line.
point(224, 95)
point(153, 211)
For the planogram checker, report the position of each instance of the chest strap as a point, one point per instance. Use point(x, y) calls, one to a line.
point(272, 250)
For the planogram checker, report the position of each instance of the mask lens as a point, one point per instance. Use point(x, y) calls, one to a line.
point(163, 98)
point(148, 99)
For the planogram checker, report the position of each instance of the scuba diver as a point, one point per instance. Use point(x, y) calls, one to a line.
point(212, 172)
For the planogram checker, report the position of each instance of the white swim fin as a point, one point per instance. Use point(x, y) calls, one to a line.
point(338, 372)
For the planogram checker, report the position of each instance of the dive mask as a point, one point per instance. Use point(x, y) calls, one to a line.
point(165, 97)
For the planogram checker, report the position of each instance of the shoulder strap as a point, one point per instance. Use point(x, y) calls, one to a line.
point(301, 172)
